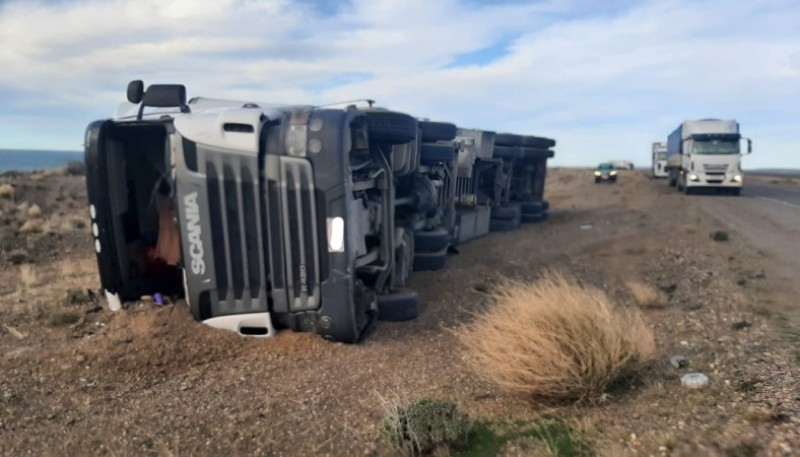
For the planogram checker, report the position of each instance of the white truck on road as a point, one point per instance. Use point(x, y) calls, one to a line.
point(660, 160)
point(706, 153)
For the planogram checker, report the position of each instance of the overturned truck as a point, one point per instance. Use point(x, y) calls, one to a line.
point(265, 217)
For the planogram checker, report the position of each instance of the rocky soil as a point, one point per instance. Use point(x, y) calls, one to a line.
point(76, 379)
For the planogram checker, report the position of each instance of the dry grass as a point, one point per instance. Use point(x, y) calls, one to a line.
point(645, 295)
point(35, 211)
point(555, 340)
point(42, 289)
point(33, 226)
point(28, 277)
point(6, 191)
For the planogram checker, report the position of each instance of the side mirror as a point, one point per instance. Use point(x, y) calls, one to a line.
point(749, 146)
point(135, 91)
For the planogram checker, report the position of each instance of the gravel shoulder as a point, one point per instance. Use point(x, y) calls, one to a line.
point(150, 381)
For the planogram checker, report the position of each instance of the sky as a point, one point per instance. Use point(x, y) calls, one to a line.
point(604, 78)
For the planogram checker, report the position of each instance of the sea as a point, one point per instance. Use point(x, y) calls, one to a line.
point(34, 159)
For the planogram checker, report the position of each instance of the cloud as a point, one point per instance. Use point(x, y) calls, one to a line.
point(604, 79)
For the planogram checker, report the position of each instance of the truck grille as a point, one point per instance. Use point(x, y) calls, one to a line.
point(715, 167)
point(293, 235)
point(236, 228)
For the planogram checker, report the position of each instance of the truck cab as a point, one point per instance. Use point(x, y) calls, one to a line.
point(262, 216)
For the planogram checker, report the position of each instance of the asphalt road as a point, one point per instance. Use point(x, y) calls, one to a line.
point(766, 216)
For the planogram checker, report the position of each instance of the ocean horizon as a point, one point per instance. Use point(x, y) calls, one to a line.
point(36, 159)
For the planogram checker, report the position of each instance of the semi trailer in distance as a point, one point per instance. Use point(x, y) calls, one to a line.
point(312, 219)
point(659, 163)
point(706, 154)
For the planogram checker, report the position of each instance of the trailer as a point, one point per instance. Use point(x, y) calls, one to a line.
point(706, 154)
point(266, 217)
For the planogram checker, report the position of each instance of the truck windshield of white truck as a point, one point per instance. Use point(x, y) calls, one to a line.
point(715, 147)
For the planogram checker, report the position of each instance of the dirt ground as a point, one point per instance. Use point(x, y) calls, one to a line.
point(76, 379)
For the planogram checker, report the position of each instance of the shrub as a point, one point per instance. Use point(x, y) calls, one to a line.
point(720, 235)
point(645, 295)
point(424, 425)
point(64, 318)
point(555, 340)
point(75, 168)
point(32, 226)
point(35, 211)
point(6, 191)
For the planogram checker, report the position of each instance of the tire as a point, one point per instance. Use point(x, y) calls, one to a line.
point(505, 212)
point(431, 241)
point(437, 131)
point(437, 153)
point(546, 204)
point(391, 127)
point(430, 261)
point(597, 180)
point(508, 152)
point(736, 191)
point(533, 207)
point(687, 190)
point(398, 306)
point(534, 153)
point(503, 225)
point(509, 139)
point(538, 142)
point(528, 218)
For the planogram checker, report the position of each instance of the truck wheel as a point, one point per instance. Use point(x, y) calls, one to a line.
point(508, 152)
point(391, 127)
point(437, 153)
point(509, 139)
point(533, 153)
point(430, 261)
point(532, 207)
point(505, 212)
point(431, 241)
point(503, 225)
point(528, 218)
point(538, 142)
point(437, 131)
point(400, 305)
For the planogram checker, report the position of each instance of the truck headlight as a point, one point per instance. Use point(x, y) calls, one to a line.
point(597, 173)
point(612, 173)
point(737, 178)
point(335, 234)
point(693, 177)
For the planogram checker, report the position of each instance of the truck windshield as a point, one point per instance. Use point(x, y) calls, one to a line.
point(716, 147)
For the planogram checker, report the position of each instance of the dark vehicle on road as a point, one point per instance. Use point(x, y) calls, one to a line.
point(605, 172)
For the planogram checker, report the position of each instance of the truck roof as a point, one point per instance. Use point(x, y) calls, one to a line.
point(689, 128)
